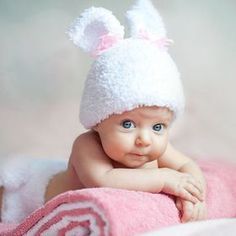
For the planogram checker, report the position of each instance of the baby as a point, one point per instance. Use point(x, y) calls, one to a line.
point(131, 97)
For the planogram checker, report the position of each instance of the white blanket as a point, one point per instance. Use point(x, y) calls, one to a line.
point(219, 227)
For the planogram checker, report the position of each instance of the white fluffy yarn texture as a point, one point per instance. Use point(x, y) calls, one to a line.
point(93, 23)
point(143, 15)
point(25, 180)
point(133, 73)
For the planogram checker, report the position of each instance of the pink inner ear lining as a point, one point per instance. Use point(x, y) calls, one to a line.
point(106, 41)
point(161, 42)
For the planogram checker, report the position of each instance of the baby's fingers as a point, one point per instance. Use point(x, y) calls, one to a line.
point(195, 214)
point(178, 204)
point(202, 212)
point(187, 213)
point(194, 191)
point(186, 195)
point(196, 184)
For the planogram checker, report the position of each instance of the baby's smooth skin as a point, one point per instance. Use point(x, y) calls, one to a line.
point(131, 151)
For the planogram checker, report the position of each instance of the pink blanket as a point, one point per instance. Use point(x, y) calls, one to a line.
point(106, 211)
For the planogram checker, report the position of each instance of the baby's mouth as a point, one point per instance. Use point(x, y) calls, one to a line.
point(138, 154)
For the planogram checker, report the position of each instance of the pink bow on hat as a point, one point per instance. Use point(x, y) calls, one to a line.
point(162, 43)
point(106, 41)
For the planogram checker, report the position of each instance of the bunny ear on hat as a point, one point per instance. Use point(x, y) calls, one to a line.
point(96, 30)
point(145, 22)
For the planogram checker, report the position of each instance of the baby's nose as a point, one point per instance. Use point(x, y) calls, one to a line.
point(143, 139)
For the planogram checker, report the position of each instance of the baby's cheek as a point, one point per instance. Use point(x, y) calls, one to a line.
point(160, 146)
point(118, 144)
point(127, 143)
point(113, 147)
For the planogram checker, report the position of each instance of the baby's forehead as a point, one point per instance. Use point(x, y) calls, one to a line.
point(146, 112)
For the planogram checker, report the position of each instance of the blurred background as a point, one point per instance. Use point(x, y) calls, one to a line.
point(42, 75)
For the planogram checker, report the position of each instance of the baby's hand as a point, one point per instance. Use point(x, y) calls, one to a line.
point(182, 185)
point(191, 211)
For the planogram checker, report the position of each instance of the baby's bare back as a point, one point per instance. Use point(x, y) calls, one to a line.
point(62, 182)
point(68, 179)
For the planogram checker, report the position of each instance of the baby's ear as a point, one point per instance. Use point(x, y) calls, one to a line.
point(96, 30)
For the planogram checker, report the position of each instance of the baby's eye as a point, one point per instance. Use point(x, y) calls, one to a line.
point(159, 128)
point(127, 124)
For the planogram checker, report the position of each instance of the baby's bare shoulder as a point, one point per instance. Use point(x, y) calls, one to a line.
point(89, 137)
point(87, 146)
point(88, 157)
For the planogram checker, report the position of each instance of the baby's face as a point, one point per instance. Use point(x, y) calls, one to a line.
point(136, 137)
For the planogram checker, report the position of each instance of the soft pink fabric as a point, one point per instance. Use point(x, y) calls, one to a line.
point(161, 43)
point(4, 228)
point(105, 42)
point(120, 212)
point(108, 40)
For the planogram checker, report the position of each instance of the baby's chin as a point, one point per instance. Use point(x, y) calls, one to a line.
point(136, 163)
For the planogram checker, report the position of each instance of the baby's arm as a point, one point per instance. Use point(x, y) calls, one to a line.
point(175, 160)
point(94, 169)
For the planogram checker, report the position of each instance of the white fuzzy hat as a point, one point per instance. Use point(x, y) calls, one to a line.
point(127, 73)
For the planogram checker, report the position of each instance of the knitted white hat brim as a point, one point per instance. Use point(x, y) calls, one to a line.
point(131, 74)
